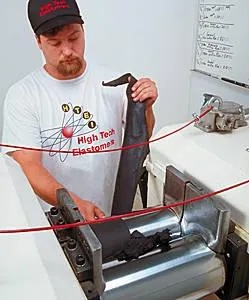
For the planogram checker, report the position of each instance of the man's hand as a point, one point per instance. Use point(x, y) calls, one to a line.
point(45, 185)
point(145, 89)
point(88, 210)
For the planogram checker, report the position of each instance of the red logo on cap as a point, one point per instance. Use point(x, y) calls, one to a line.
point(53, 6)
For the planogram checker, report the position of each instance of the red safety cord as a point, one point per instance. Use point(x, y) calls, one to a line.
point(197, 118)
point(132, 214)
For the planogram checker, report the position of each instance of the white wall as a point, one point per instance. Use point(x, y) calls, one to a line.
point(148, 38)
point(18, 53)
point(145, 37)
point(200, 84)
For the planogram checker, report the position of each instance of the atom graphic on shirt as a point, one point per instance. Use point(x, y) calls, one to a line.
point(76, 122)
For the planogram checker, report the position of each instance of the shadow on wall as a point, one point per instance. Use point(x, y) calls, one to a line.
point(19, 55)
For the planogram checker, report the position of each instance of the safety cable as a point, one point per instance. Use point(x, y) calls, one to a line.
point(131, 214)
point(196, 119)
point(128, 215)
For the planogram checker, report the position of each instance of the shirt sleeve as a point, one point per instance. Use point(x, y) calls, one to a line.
point(20, 121)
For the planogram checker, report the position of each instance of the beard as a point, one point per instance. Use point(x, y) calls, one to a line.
point(70, 67)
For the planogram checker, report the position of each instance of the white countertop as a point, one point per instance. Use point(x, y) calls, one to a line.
point(33, 266)
point(215, 160)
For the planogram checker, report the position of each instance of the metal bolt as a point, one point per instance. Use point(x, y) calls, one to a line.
point(71, 244)
point(80, 260)
point(60, 222)
point(54, 211)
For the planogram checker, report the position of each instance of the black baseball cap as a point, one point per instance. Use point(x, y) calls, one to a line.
point(48, 14)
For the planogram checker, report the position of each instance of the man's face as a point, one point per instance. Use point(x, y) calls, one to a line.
point(64, 52)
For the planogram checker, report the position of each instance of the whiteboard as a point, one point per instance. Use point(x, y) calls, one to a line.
point(222, 39)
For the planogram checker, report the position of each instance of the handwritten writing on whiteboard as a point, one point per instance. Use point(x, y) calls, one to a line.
point(215, 32)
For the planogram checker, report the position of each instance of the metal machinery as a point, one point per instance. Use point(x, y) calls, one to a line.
point(206, 254)
point(225, 115)
point(195, 265)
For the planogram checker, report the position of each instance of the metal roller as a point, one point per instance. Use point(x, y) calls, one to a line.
point(155, 222)
point(190, 270)
point(193, 266)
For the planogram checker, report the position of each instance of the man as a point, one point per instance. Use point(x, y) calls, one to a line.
point(63, 106)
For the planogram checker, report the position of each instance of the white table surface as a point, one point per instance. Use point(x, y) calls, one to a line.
point(215, 160)
point(33, 266)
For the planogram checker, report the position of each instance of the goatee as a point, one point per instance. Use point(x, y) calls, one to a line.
point(70, 67)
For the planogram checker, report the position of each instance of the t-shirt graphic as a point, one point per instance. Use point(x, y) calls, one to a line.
point(76, 122)
point(78, 115)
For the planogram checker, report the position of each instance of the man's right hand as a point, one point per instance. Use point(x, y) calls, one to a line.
point(45, 185)
point(88, 210)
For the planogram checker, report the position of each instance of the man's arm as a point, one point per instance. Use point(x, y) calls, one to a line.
point(45, 185)
point(145, 90)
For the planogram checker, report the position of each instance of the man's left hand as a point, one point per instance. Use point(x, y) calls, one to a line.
point(145, 89)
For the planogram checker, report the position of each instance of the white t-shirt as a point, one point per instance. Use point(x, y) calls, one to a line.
point(78, 115)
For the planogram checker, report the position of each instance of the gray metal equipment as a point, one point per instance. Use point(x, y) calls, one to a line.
point(193, 267)
point(224, 117)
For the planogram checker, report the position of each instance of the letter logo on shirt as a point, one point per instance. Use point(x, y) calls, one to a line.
point(86, 115)
point(65, 108)
point(76, 122)
point(77, 110)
